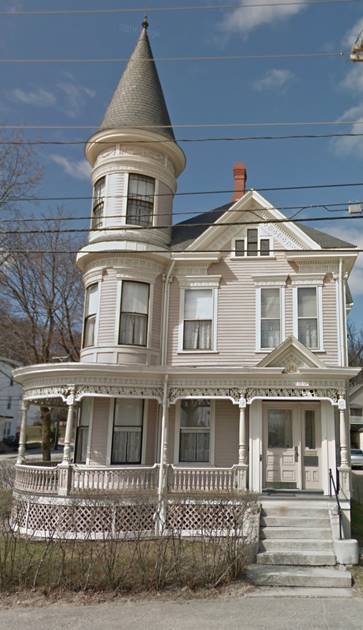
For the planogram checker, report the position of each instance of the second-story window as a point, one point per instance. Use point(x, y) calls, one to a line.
point(270, 318)
point(198, 319)
point(134, 313)
point(98, 202)
point(140, 200)
point(90, 316)
point(307, 316)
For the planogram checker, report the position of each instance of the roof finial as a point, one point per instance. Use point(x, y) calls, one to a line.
point(145, 23)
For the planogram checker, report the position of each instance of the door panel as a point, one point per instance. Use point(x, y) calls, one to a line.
point(311, 448)
point(281, 439)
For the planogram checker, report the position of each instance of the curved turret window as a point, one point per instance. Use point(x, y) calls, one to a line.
point(98, 202)
point(140, 200)
point(134, 313)
point(90, 315)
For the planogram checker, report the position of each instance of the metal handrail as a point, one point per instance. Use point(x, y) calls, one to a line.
point(336, 493)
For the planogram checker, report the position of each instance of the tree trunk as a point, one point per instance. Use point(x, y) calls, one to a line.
point(45, 416)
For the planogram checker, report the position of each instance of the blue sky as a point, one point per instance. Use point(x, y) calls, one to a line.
point(269, 90)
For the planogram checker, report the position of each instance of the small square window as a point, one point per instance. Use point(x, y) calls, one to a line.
point(239, 247)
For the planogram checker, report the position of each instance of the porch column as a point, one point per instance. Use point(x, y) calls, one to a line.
point(69, 430)
point(163, 470)
point(242, 446)
point(344, 470)
point(22, 436)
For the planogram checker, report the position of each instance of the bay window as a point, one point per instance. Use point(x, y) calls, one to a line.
point(80, 456)
point(270, 317)
point(194, 439)
point(307, 317)
point(127, 431)
point(98, 202)
point(140, 200)
point(198, 319)
point(91, 308)
point(134, 313)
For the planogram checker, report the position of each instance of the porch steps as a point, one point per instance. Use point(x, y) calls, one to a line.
point(296, 548)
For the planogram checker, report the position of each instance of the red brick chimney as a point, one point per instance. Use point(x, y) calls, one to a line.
point(240, 179)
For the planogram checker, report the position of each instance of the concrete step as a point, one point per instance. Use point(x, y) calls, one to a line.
point(274, 533)
point(298, 591)
point(310, 545)
point(314, 558)
point(288, 510)
point(295, 521)
point(326, 577)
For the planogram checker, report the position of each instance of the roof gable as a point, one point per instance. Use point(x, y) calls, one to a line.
point(291, 355)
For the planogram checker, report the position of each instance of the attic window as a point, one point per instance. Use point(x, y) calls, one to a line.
point(252, 245)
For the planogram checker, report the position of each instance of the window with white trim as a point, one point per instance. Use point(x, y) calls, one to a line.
point(194, 439)
point(90, 315)
point(252, 244)
point(307, 317)
point(127, 431)
point(98, 202)
point(270, 317)
point(140, 200)
point(198, 319)
point(80, 456)
point(134, 313)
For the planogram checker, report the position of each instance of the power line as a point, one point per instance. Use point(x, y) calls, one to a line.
point(129, 228)
point(332, 250)
point(189, 193)
point(191, 7)
point(313, 123)
point(245, 57)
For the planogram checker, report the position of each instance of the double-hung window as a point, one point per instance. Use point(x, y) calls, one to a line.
point(198, 319)
point(252, 245)
point(98, 202)
point(90, 316)
point(134, 313)
point(270, 318)
point(307, 317)
point(140, 200)
point(127, 431)
point(194, 439)
point(83, 431)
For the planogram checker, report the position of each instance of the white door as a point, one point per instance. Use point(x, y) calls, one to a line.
point(282, 439)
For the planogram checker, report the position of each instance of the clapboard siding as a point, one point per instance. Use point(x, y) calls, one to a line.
point(99, 431)
point(330, 325)
point(151, 433)
point(226, 433)
point(115, 202)
point(156, 313)
point(107, 334)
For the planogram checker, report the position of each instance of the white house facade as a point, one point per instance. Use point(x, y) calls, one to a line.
point(214, 353)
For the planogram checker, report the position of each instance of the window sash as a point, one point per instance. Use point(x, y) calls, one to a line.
point(252, 242)
point(252, 245)
point(91, 300)
point(194, 446)
point(89, 333)
point(308, 317)
point(197, 334)
point(127, 435)
point(198, 319)
point(134, 313)
point(270, 318)
point(140, 200)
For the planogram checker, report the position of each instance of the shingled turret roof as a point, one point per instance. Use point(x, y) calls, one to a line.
point(138, 101)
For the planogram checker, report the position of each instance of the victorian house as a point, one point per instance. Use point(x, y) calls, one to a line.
point(214, 353)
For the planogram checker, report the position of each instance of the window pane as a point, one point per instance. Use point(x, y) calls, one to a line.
point(99, 190)
point(308, 332)
point(195, 413)
point(91, 299)
point(307, 306)
point(133, 329)
point(310, 429)
point(135, 297)
point(197, 335)
point(279, 428)
point(141, 186)
point(139, 212)
point(89, 331)
point(97, 219)
point(252, 241)
point(270, 303)
point(194, 447)
point(239, 247)
point(264, 247)
point(81, 445)
point(198, 304)
point(270, 333)
point(129, 412)
point(85, 416)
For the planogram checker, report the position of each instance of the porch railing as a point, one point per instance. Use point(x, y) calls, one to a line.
point(114, 479)
point(35, 478)
point(204, 480)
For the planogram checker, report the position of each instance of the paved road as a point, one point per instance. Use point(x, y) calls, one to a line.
point(233, 614)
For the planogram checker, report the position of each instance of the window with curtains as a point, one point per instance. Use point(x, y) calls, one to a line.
point(134, 313)
point(194, 441)
point(90, 316)
point(80, 455)
point(198, 319)
point(127, 431)
point(270, 318)
point(98, 202)
point(140, 200)
point(252, 245)
point(307, 316)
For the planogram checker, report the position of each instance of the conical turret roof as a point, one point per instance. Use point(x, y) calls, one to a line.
point(138, 101)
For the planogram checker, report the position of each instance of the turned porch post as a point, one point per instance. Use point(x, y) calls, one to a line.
point(69, 430)
point(163, 469)
point(22, 436)
point(242, 446)
point(344, 470)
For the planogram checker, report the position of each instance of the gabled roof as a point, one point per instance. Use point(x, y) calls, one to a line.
point(138, 100)
point(291, 354)
point(185, 232)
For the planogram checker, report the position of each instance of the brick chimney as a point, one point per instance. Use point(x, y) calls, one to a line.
point(240, 179)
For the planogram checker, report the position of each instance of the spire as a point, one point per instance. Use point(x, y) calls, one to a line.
point(138, 100)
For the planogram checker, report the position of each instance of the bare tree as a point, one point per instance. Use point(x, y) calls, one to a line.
point(20, 171)
point(41, 298)
point(355, 346)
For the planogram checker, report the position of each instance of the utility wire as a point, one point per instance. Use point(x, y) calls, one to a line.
point(313, 123)
point(167, 8)
point(136, 252)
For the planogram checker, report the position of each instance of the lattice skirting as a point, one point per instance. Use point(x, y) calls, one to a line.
point(63, 517)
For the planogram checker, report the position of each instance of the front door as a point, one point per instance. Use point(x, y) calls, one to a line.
point(282, 445)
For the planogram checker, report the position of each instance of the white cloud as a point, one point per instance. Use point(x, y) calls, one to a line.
point(273, 79)
point(353, 81)
point(350, 145)
point(78, 169)
point(246, 19)
point(38, 97)
point(355, 236)
point(74, 97)
point(351, 35)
